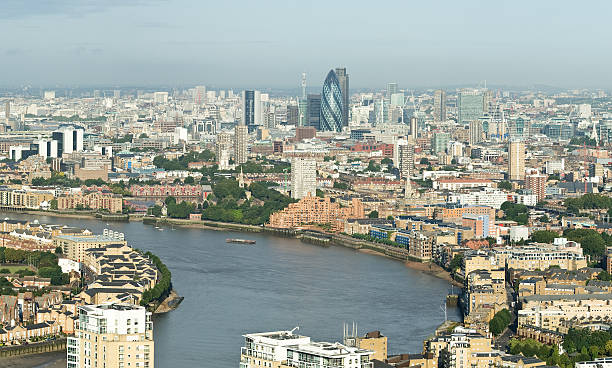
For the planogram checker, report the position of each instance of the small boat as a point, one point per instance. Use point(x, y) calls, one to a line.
point(160, 229)
point(240, 241)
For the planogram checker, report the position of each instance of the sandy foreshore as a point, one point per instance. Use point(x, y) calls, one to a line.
point(56, 359)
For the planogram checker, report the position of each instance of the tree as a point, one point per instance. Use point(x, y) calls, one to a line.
point(504, 185)
point(604, 276)
point(544, 218)
point(456, 262)
point(340, 185)
point(189, 180)
point(373, 167)
point(53, 204)
point(424, 161)
point(320, 193)
point(544, 236)
point(143, 135)
point(373, 214)
point(390, 218)
point(386, 161)
point(58, 250)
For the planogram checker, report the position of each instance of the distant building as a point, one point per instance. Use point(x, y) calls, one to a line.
point(332, 104)
point(404, 157)
point(516, 160)
point(439, 105)
point(343, 79)
point(241, 138)
point(439, 142)
point(469, 105)
point(537, 185)
point(313, 111)
point(252, 112)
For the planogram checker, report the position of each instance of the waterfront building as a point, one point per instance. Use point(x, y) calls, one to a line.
point(343, 79)
point(316, 210)
point(462, 347)
point(597, 363)
point(516, 160)
point(332, 104)
point(439, 105)
point(75, 246)
point(303, 177)
point(268, 349)
point(192, 193)
point(478, 223)
point(96, 200)
point(373, 341)
point(112, 335)
point(567, 255)
point(241, 138)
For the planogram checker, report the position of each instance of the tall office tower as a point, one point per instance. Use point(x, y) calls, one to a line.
point(69, 139)
point(403, 153)
point(303, 177)
point(391, 90)
point(439, 142)
point(439, 105)
point(293, 115)
point(199, 95)
point(117, 94)
point(516, 160)
point(476, 132)
point(112, 335)
point(251, 109)
point(537, 184)
point(313, 111)
point(487, 101)
point(469, 105)
point(414, 128)
point(343, 78)
point(223, 147)
point(7, 111)
point(241, 138)
point(332, 104)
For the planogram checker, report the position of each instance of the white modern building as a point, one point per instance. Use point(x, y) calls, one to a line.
point(597, 363)
point(303, 177)
point(268, 348)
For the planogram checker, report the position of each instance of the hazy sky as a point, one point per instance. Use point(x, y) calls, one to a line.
point(261, 44)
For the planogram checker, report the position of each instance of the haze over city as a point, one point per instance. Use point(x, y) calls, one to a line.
point(268, 44)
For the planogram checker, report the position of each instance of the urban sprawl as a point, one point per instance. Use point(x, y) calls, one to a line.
point(506, 193)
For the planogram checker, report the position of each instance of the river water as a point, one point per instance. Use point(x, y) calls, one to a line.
point(279, 283)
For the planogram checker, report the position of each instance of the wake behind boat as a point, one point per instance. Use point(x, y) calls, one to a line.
point(240, 241)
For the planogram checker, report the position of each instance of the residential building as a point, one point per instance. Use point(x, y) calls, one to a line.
point(75, 246)
point(95, 200)
point(516, 160)
point(268, 349)
point(303, 177)
point(325, 354)
point(404, 156)
point(112, 335)
point(241, 138)
point(439, 105)
point(537, 185)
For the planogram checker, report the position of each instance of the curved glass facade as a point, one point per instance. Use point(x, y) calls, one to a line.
point(332, 104)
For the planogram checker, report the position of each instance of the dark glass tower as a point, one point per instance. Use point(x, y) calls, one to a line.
point(343, 78)
point(332, 104)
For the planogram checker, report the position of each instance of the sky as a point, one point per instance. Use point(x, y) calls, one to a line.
point(269, 43)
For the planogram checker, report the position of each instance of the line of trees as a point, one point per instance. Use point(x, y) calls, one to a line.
point(162, 289)
point(500, 321)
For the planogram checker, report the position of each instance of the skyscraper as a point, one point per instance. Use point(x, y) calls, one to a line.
point(391, 89)
point(469, 105)
point(313, 111)
point(414, 128)
point(112, 335)
point(303, 177)
point(516, 160)
point(69, 139)
point(439, 103)
point(223, 148)
point(332, 104)
point(343, 78)
point(251, 109)
point(241, 137)
point(404, 156)
point(439, 142)
point(476, 132)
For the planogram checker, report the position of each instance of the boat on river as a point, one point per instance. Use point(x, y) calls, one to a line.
point(240, 241)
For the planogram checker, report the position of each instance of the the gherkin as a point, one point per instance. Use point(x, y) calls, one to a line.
point(332, 104)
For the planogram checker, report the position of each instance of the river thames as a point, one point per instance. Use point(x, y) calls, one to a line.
point(279, 283)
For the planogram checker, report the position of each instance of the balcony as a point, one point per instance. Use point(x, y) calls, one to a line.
point(256, 354)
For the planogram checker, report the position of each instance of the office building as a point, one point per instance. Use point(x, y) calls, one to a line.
point(414, 128)
point(112, 335)
point(404, 157)
point(537, 185)
point(252, 114)
point(391, 90)
point(49, 95)
point(69, 139)
point(516, 160)
point(241, 138)
point(303, 177)
point(439, 142)
point(469, 105)
point(160, 97)
point(313, 111)
point(343, 78)
point(332, 104)
point(439, 105)
point(476, 132)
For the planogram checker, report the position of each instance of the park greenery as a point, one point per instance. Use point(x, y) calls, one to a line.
point(588, 201)
point(340, 185)
point(515, 212)
point(231, 204)
point(162, 289)
point(182, 163)
point(544, 236)
point(593, 243)
point(500, 321)
point(45, 262)
point(504, 185)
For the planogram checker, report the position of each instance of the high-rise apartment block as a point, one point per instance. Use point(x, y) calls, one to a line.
point(343, 78)
point(516, 160)
point(404, 156)
point(537, 184)
point(241, 138)
point(303, 177)
point(223, 148)
point(476, 132)
point(439, 142)
point(439, 105)
point(112, 336)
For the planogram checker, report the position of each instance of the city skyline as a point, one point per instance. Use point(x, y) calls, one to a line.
point(72, 43)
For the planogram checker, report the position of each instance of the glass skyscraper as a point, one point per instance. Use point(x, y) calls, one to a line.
point(332, 104)
point(469, 106)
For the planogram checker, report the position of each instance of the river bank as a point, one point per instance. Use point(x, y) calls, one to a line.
point(56, 359)
point(336, 239)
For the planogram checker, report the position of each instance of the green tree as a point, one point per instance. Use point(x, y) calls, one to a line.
point(544, 236)
point(504, 185)
point(53, 204)
point(373, 214)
